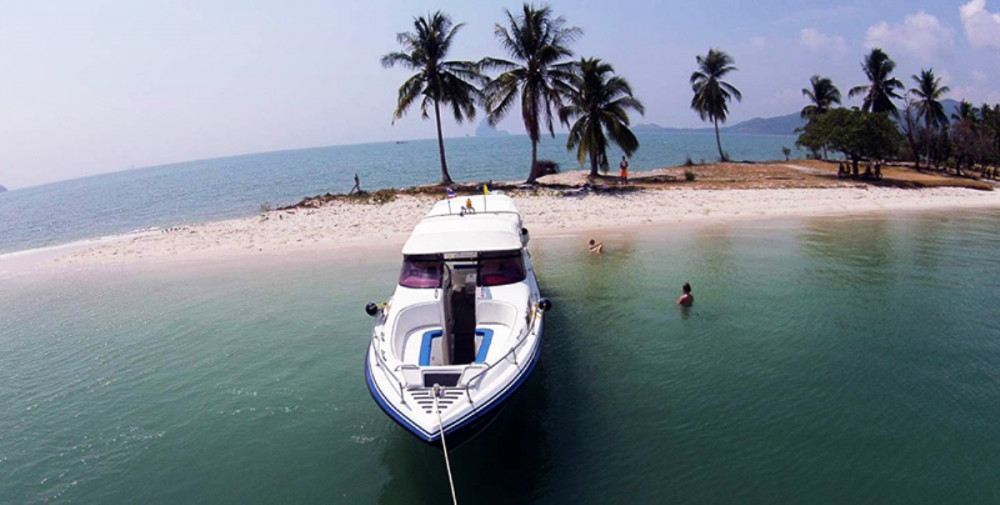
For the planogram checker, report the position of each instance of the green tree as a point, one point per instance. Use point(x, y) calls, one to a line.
point(711, 93)
point(538, 41)
point(599, 101)
point(857, 134)
point(822, 93)
point(882, 88)
point(452, 83)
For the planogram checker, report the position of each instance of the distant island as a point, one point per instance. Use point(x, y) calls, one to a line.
point(485, 129)
point(2, 189)
point(780, 125)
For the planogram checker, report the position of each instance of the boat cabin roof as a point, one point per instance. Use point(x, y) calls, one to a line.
point(492, 224)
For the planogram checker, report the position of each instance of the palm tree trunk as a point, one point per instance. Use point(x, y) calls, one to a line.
point(532, 176)
point(593, 165)
point(718, 142)
point(445, 178)
point(930, 140)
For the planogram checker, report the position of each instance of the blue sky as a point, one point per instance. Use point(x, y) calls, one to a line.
point(96, 86)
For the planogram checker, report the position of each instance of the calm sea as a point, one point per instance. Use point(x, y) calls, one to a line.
point(223, 188)
point(824, 361)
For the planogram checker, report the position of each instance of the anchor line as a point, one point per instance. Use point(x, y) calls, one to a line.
point(444, 446)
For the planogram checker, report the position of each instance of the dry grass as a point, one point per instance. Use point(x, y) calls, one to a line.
point(771, 175)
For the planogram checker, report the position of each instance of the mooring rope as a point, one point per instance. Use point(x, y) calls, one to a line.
point(444, 447)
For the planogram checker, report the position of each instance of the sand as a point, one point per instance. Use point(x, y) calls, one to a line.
point(340, 225)
point(722, 194)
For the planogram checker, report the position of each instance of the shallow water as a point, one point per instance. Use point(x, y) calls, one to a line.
point(824, 361)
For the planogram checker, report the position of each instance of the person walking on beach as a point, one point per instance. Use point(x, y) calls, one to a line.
point(357, 184)
point(623, 170)
point(687, 298)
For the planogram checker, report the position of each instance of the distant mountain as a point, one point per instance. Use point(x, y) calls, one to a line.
point(781, 125)
point(2, 189)
point(486, 130)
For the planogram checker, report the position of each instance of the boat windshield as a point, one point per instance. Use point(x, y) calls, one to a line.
point(499, 268)
point(420, 273)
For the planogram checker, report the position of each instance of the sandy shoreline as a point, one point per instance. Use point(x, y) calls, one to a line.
point(340, 225)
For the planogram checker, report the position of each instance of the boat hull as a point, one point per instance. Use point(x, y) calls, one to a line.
point(478, 419)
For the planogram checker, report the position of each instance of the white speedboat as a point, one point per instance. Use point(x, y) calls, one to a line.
point(462, 331)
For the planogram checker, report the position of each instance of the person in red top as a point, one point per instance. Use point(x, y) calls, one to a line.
point(623, 167)
point(687, 298)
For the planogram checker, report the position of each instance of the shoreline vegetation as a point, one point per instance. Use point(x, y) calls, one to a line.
point(564, 206)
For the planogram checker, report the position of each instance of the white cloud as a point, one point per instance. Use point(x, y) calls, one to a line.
point(919, 34)
point(758, 42)
point(978, 76)
point(818, 41)
point(982, 27)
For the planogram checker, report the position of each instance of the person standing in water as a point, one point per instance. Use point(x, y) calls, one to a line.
point(596, 247)
point(687, 298)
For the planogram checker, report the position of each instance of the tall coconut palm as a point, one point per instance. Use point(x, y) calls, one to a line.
point(711, 93)
point(598, 100)
point(537, 41)
point(929, 92)
point(452, 83)
point(822, 93)
point(965, 111)
point(882, 87)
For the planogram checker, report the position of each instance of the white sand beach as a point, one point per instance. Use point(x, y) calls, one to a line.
point(341, 225)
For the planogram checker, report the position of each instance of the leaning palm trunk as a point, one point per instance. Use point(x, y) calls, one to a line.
point(533, 170)
point(718, 141)
point(445, 178)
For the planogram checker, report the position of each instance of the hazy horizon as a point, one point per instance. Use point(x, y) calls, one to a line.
point(94, 87)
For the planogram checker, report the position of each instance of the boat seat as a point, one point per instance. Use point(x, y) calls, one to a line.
point(484, 337)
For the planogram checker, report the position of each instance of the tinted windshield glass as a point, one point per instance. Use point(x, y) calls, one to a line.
point(495, 270)
point(420, 273)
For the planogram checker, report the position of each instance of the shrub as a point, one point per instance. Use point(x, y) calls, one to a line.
point(545, 167)
point(688, 162)
point(264, 207)
point(383, 196)
point(689, 175)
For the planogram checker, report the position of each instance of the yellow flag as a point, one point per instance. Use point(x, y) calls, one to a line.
point(486, 190)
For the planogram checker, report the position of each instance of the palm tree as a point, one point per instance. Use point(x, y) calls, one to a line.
point(929, 92)
point(437, 81)
point(538, 42)
point(711, 93)
point(965, 111)
point(822, 93)
point(881, 88)
point(598, 100)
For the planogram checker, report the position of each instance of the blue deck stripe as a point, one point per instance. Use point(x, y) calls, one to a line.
point(428, 337)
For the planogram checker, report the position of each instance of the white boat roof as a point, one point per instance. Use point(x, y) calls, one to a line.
point(495, 225)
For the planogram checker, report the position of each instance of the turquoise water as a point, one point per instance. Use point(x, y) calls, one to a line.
point(824, 361)
point(224, 188)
